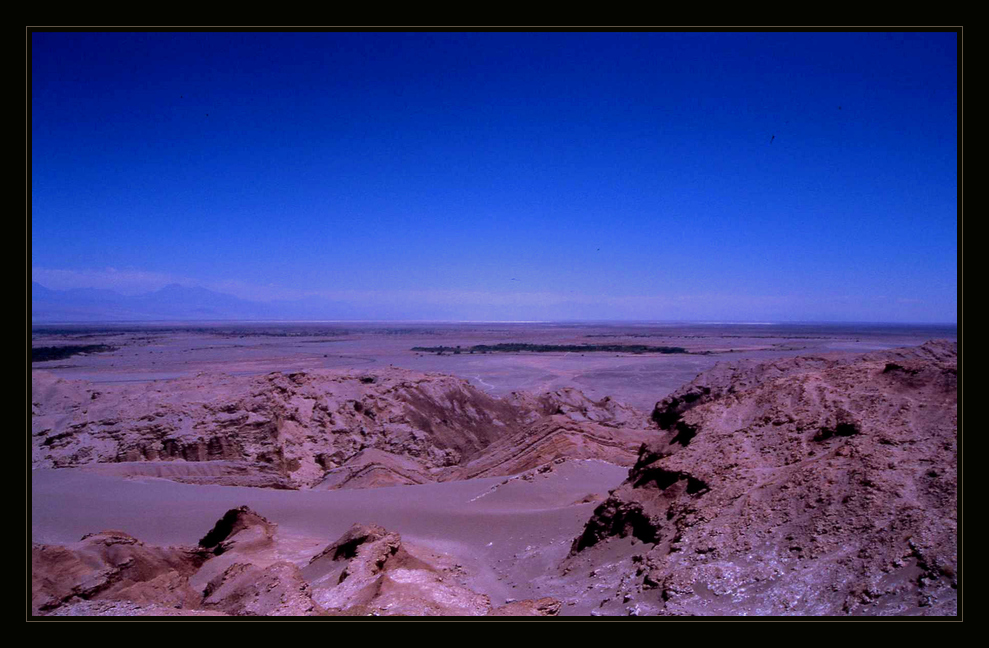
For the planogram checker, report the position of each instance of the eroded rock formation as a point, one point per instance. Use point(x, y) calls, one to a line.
point(320, 429)
point(820, 485)
point(238, 569)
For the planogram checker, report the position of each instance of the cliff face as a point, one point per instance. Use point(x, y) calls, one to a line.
point(819, 485)
point(320, 429)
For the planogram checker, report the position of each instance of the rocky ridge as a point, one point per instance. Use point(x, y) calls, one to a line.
point(239, 569)
point(320, 429)
point(816, 485)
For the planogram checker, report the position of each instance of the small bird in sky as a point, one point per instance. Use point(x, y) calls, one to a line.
point(771, 139)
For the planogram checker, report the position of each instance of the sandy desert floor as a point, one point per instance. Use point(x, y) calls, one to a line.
point(509, 535)
point(509, 538)
point(159, 352)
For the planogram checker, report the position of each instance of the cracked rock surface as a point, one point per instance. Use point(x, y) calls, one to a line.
point(815, 485)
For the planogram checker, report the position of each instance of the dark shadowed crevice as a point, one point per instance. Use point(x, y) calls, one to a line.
point(232, 522)
point(220, 531)
point(614, 518)
point(670, 411)
point(348, 550)
point(685, 433)
point(892, 367)
point(666, 417)
point(696, 486)
point(663, 479)
point(841, 430)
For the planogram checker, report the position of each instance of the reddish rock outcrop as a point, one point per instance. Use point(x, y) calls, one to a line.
point(245, 589)
point(112, 565)
point(368, 570)
point(238, 527)
point(320, 429)
point(239, 569)
point(539, 607)
point(822, 485)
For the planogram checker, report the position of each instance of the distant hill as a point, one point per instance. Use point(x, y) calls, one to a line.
point(176, 302)
point(173, 302)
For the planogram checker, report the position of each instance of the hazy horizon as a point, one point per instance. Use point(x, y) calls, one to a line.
point(630, 322)
point(638, 177)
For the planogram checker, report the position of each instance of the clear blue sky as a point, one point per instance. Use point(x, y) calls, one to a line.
point(499, 175)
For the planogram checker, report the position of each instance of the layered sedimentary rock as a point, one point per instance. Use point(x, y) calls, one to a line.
point(320, 429)
point(817, 485)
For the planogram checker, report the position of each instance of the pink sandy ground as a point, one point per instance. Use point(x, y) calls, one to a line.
point(510, 537)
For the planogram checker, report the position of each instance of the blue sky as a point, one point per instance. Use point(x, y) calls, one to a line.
point(492, 176)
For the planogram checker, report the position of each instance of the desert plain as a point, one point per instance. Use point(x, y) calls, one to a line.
point(387, 468)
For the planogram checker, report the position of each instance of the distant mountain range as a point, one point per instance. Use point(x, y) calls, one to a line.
point(176, 302)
